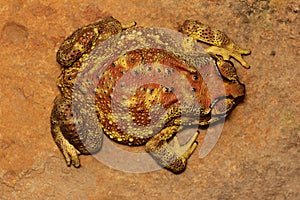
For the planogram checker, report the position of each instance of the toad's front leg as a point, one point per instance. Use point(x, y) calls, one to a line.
point(221, 44)
point(174, 158)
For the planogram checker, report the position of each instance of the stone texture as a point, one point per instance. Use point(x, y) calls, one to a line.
point(257, 156)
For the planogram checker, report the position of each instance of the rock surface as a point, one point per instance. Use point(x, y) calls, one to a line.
point(257, 156)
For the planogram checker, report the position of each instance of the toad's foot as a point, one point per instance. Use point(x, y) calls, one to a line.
point(222, 44)
point(185, 150)
point(70, 153)
point(128, 26)
point(174, 158)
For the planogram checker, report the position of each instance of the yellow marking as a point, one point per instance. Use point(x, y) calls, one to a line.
point(79, 46)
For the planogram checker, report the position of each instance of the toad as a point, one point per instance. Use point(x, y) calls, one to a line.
point(177, 92)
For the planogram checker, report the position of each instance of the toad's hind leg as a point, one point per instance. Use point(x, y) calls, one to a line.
point(221, 44)
point(70, 139)
point(83, 39)
point(173, 158)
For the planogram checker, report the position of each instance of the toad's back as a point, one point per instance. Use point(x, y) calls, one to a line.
point(141, 92)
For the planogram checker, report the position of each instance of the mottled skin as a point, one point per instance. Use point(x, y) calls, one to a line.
point(74, 138)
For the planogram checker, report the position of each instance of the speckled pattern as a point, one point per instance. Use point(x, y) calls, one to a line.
point(257, 156)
